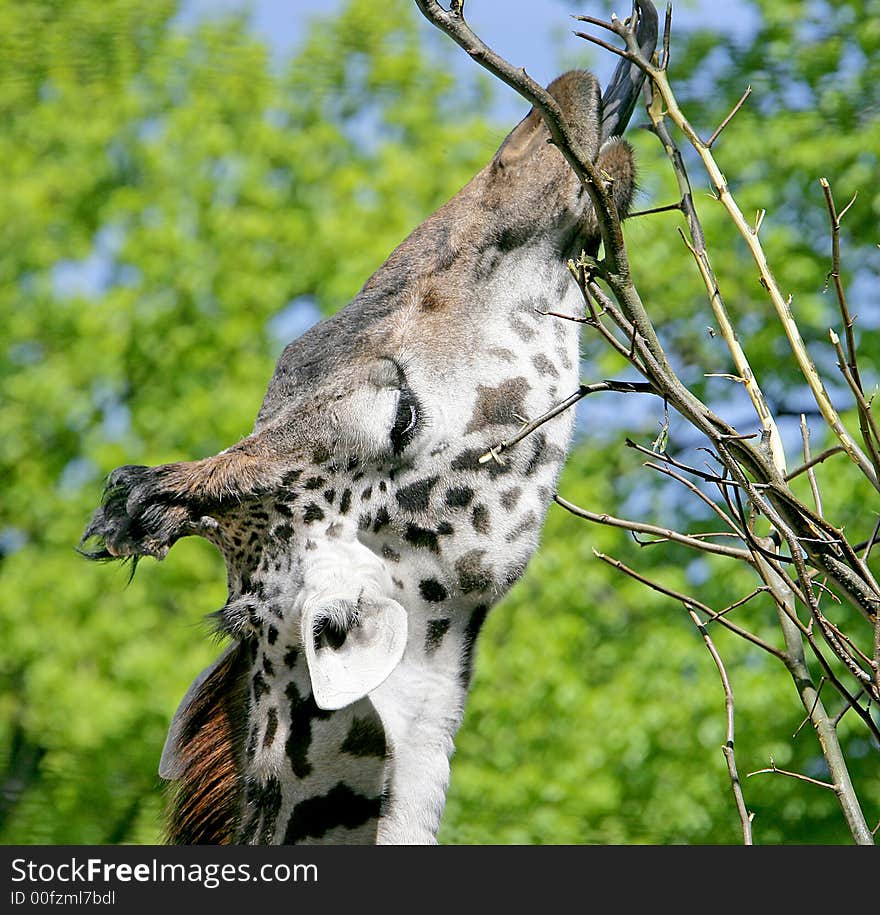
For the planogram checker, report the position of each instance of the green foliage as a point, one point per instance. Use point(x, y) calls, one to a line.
point(205, 191)
point(216, 192)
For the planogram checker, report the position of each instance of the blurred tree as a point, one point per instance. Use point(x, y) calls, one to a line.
point(174, 206)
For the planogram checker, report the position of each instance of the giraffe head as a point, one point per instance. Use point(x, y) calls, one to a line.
point(365, 527)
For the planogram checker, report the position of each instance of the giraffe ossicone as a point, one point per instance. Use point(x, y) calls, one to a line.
point(365, 535)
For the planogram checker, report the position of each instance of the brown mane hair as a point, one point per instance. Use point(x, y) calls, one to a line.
point(205, 803)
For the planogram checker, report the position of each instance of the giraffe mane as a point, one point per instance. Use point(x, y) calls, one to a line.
point(205, 801)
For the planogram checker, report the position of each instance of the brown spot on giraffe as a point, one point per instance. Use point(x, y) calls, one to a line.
point(501, 405)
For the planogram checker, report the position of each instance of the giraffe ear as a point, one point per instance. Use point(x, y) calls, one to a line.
point(351, 649)
point(578, 94)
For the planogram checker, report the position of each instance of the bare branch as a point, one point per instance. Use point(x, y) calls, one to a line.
point(664, 209)
point(869, 543)
point(744, 815)
point(589, 290)
point(811, 476)
point(822, 682)
point(697, 247)
point(453, 24)
point(668, 458)
point(653, 530)
point(818, 459)
point(528, 428)
point(600, 23)
point(689, 603)
point(783, 309)
point(834, 274)
point(774, 769)
point(667, 29)
point(700, 495)
point(620, 52)
point(763, 589)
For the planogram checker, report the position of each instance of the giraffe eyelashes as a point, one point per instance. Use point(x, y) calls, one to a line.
point(386, 408)
point(406, 421)
point(412, 420)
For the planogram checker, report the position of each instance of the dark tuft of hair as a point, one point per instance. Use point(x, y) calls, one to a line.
point(205, 803)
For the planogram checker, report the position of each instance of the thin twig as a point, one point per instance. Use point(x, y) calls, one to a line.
point(667, 29)
point(834, 274)
point(811, 476)
point(869, 543)
point(701, 535)
point(759, 221)
point(689, 603)
point(822, 682)
point(818, 459)
point(653, 530)
point(700, 494)
point(774, 769)
point(627, 387)
point(761, 589)
point(702, 474)
point(664, 209)
point(620, 52)
point(744, 815)
point(729, 118)
point(595, 319)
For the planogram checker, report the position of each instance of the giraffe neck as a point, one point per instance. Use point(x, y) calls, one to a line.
point(310, 775)
point(376, 771)
point(421, 705)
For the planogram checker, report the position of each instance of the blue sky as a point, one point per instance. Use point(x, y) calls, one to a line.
point(524, 31)
point(536, 34)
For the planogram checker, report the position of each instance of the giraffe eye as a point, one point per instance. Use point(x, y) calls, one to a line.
point(406, 421)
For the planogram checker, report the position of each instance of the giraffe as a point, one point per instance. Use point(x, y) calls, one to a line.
point(365, 535)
